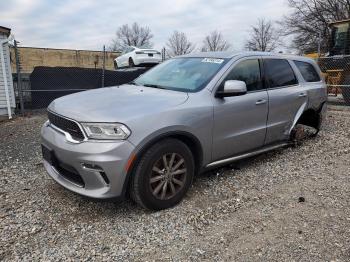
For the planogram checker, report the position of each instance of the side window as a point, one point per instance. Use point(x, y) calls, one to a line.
point(308, 71)
point(247, 71)
point(279, 73)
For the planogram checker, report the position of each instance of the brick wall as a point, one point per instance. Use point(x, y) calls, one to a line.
point(34, 56)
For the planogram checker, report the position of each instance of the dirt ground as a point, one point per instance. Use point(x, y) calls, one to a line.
point(292, 204)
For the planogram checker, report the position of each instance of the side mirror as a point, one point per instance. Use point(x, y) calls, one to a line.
point(232, 88)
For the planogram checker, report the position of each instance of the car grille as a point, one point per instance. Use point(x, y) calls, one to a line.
point(66, 125)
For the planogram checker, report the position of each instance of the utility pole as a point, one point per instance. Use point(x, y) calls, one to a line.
point(19, 77)
point(319, 45)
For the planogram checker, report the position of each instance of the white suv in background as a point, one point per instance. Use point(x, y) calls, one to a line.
point(133, 56)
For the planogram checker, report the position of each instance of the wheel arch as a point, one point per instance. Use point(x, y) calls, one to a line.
point(187, 138)
point(311, 117)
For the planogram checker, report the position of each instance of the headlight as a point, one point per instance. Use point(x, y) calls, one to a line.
point(106, 131)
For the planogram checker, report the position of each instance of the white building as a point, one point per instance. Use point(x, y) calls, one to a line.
point(7, 96)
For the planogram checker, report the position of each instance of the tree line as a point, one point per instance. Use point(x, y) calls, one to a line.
point(306, 27)
point(177, 44)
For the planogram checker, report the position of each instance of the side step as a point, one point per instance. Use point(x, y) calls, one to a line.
point(246, 155)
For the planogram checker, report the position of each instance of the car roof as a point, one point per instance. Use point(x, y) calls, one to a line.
point(143, 48)
point(219, 54)
point(231, 54)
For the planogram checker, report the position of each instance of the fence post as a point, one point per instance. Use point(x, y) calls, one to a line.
point(19, 77)
point(103, 66)
point(319, 45)
point(163, 54)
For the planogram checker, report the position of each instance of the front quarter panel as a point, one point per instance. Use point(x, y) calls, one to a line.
point(194, 117)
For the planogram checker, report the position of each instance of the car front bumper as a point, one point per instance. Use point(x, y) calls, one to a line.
point(92, 169)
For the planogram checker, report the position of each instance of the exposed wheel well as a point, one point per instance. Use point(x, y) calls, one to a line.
point(310, 118)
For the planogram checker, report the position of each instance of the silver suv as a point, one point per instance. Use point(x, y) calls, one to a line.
point(148, 139)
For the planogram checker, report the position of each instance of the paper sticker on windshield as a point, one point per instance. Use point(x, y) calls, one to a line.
point(213, 60)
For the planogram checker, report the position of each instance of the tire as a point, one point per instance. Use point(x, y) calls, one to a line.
point(346, 90)
point(131, 63)
point(146, 187)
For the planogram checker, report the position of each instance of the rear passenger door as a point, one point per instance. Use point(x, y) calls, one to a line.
point(240, 121)
point(287, 98)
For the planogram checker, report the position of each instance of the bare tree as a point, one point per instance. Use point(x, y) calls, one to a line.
point(178, 44)
point(309, 22)
point(134, 35)
point(215, 42)
point(263, 36)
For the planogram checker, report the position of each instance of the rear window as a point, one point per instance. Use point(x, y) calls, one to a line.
point(308, 71)
point(279, 73)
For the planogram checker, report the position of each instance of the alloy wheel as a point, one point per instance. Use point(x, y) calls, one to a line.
point(168, 176)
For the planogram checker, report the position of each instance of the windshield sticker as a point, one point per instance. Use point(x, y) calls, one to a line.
point(213, 60)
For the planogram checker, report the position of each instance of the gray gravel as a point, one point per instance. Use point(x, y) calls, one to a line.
point(291, 204)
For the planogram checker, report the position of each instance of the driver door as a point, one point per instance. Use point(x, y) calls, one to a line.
point(240, 121)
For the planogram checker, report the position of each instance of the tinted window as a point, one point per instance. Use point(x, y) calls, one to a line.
point(279, 73)
point(247, 71)
point(308, 71)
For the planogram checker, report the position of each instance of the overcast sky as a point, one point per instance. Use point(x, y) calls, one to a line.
point(89, 24)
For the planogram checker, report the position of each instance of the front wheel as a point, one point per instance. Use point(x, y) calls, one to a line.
point(131, 62)
point(163, 175)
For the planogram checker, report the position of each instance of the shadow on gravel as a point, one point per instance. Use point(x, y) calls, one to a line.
point(242, 164)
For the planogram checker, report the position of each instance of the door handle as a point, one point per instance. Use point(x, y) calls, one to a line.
point(302, 94)
point(260, 102)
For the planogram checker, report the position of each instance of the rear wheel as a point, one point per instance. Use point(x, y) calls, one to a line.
point(301, 132)
point(346, 90)
point(163, 175)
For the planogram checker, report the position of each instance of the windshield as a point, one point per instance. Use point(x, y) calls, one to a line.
point(182, 74)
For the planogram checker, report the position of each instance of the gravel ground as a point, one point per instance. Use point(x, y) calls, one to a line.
point(287, 205)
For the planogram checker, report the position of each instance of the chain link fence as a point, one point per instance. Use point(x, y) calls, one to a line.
point(42, 75)
point(336, 70)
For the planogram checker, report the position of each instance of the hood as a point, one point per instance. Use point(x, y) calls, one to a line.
point(116, 104)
